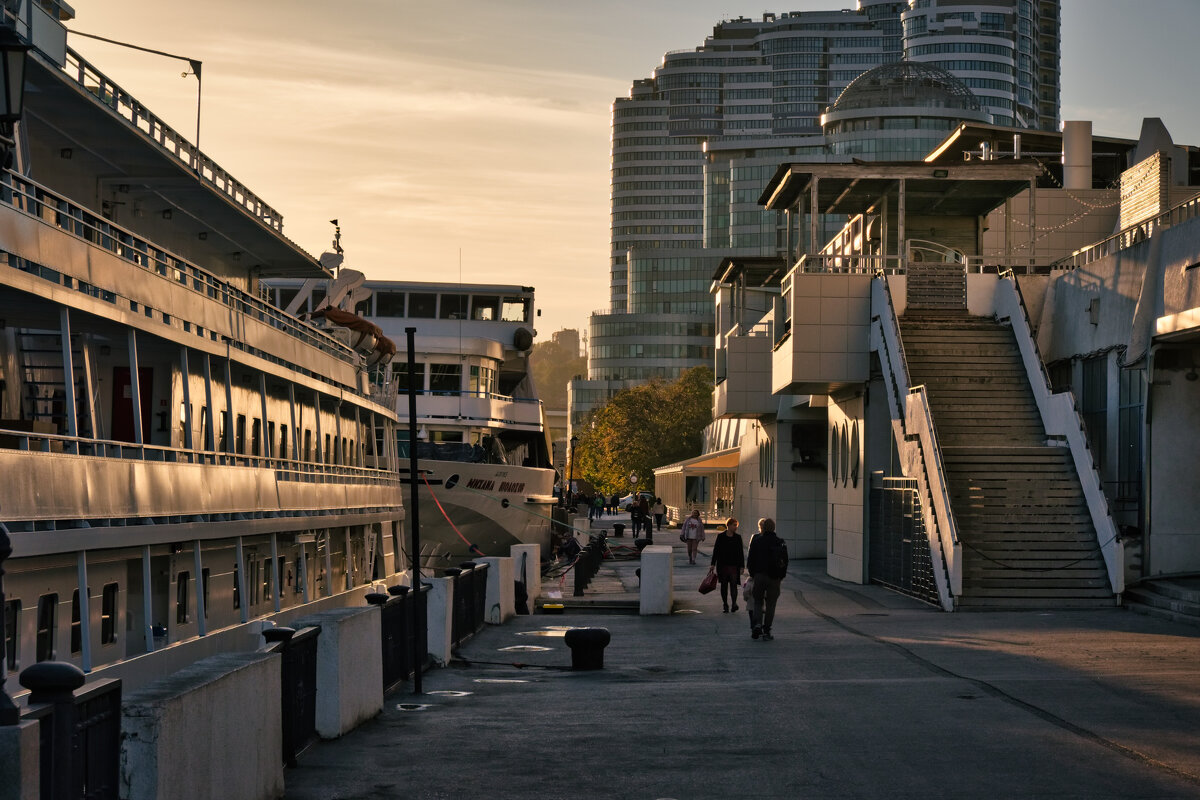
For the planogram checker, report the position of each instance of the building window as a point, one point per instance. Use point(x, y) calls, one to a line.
point(181, 598)
point(47, 624)
point(108, 613)
point(12, 637)
point(454, 306)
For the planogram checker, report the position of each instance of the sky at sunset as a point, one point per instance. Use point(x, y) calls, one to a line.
point(470, 141)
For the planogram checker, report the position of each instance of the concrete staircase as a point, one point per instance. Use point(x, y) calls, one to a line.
point(1176, 599)
point(1027, 537)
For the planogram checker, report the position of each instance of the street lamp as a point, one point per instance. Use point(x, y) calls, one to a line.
point(571, 468)
point(12, 75)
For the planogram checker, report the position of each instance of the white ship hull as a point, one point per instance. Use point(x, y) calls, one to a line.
point(473, 510)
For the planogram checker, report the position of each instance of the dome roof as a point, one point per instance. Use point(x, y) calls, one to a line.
point(906, 84)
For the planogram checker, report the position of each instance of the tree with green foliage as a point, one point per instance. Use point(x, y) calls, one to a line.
point(553, 366)
point(644, 427)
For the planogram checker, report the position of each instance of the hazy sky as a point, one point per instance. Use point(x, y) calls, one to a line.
point(477, 132)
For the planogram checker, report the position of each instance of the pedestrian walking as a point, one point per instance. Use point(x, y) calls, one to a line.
point(660, 511)
point(692, 534)
point(598, 504)
point(644, 509)
point(728, 559)
point(767, 562)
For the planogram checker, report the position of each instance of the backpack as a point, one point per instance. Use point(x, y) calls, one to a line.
point(777, 559)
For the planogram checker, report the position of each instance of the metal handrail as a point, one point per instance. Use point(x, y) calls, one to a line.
point(1131, 235)
point(285, 468)
point(50, 208)
point(108, 93)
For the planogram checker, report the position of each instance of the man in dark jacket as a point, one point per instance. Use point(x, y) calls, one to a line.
point(766, 562)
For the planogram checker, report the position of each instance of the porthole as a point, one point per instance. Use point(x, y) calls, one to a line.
point(855, 457)
point(845, 459)
point(835, 451)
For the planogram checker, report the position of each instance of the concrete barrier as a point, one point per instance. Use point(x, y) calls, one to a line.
point(19, 753)
point(349, 668)
point(439, 615)
point(498, 603)
point(210, 730)
point(527, 567)
point(656, 593)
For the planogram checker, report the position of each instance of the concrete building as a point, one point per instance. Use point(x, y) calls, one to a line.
point(693, 144)
point(981, 391)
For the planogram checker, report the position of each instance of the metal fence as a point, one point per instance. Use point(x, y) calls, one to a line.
point(398, 635)
point(470, 592)
point(297, 687)
point(79, 731)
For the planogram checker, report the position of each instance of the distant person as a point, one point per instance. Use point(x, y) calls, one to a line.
point(660, 511)
point(728, 558)
point(598, 504)
point(591, 506)
point(767, 564)
point(643, 504)
point(692, 534)
point(614, 504)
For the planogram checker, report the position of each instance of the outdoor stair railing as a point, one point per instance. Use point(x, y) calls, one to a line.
point(916, 442)
point(1062, 421)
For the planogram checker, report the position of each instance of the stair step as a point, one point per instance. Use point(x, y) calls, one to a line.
point(985, 603)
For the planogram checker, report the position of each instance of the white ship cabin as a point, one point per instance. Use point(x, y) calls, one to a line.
point(179, 456)
point(476, 401)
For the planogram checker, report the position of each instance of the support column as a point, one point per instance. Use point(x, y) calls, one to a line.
point(295, 431)
point(317, 406)
point(188, 418)
point(198, 560)
point(243, 598)
point(901, 243)
point(230, 428)
point(68, 363)
point(268, 447)
point(210, 441)
point(135, 388)
point(147, 601)
point(85, 616)
point(275, 572)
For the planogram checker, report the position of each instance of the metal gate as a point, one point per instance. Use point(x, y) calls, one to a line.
point(899, 556)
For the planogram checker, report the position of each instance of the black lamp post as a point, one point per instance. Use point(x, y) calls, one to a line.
point(571, 470)
point(12, 101)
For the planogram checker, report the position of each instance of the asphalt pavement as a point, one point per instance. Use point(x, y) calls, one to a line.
point(863, 693)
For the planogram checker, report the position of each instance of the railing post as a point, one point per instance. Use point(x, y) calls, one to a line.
point(54, 683)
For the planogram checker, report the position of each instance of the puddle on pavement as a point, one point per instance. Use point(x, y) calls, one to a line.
point(558, 631)
point(450, 693)
point(500, 680)
point(413, 707)
point(524, 648)
point(688, 611)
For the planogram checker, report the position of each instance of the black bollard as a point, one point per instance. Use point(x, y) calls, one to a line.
point(54, 683)
point(587, 647)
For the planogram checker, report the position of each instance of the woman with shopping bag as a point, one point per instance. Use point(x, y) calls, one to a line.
point(728, 560)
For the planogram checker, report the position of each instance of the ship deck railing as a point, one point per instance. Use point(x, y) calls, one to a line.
point(108, 93)
point(54, 209)
point(286, 468)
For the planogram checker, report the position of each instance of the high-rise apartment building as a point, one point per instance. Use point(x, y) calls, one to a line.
point(693, 145)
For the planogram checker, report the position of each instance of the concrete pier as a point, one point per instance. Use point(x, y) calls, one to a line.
point(863, 693)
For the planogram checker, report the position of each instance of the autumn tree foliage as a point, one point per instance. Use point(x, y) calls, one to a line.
point(644, 427)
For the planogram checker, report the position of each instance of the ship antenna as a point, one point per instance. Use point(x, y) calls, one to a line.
point(337, 242)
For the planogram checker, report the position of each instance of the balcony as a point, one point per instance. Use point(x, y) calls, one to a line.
point(744, 388)
point(826, 342)
point(479, 409)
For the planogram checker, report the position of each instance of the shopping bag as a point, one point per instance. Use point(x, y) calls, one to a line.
point(709, 583)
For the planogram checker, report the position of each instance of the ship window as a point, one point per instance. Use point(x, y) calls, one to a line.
point(256, 437)
point(389, 304)
point(252, 579)
point(422, 306)
point(268, 582)
point(76, 624)
point(445, 378)
point(400, 376)
point(363, 308)
point(485, 308)
point(181, 598)
point(47, 622)
point(204, 589)
point(224, 433)
point(240, 435)
point(283, 441)
point(454, 306)
point(286, 296)
point(327, 453)
point(482, 380)
point(12, 638)
point(515, 309)
point(108, 614)
point(307, 445)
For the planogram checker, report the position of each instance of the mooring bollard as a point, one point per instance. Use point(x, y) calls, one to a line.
point(587, 647)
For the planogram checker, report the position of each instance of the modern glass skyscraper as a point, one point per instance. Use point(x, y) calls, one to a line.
point(759, 88)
